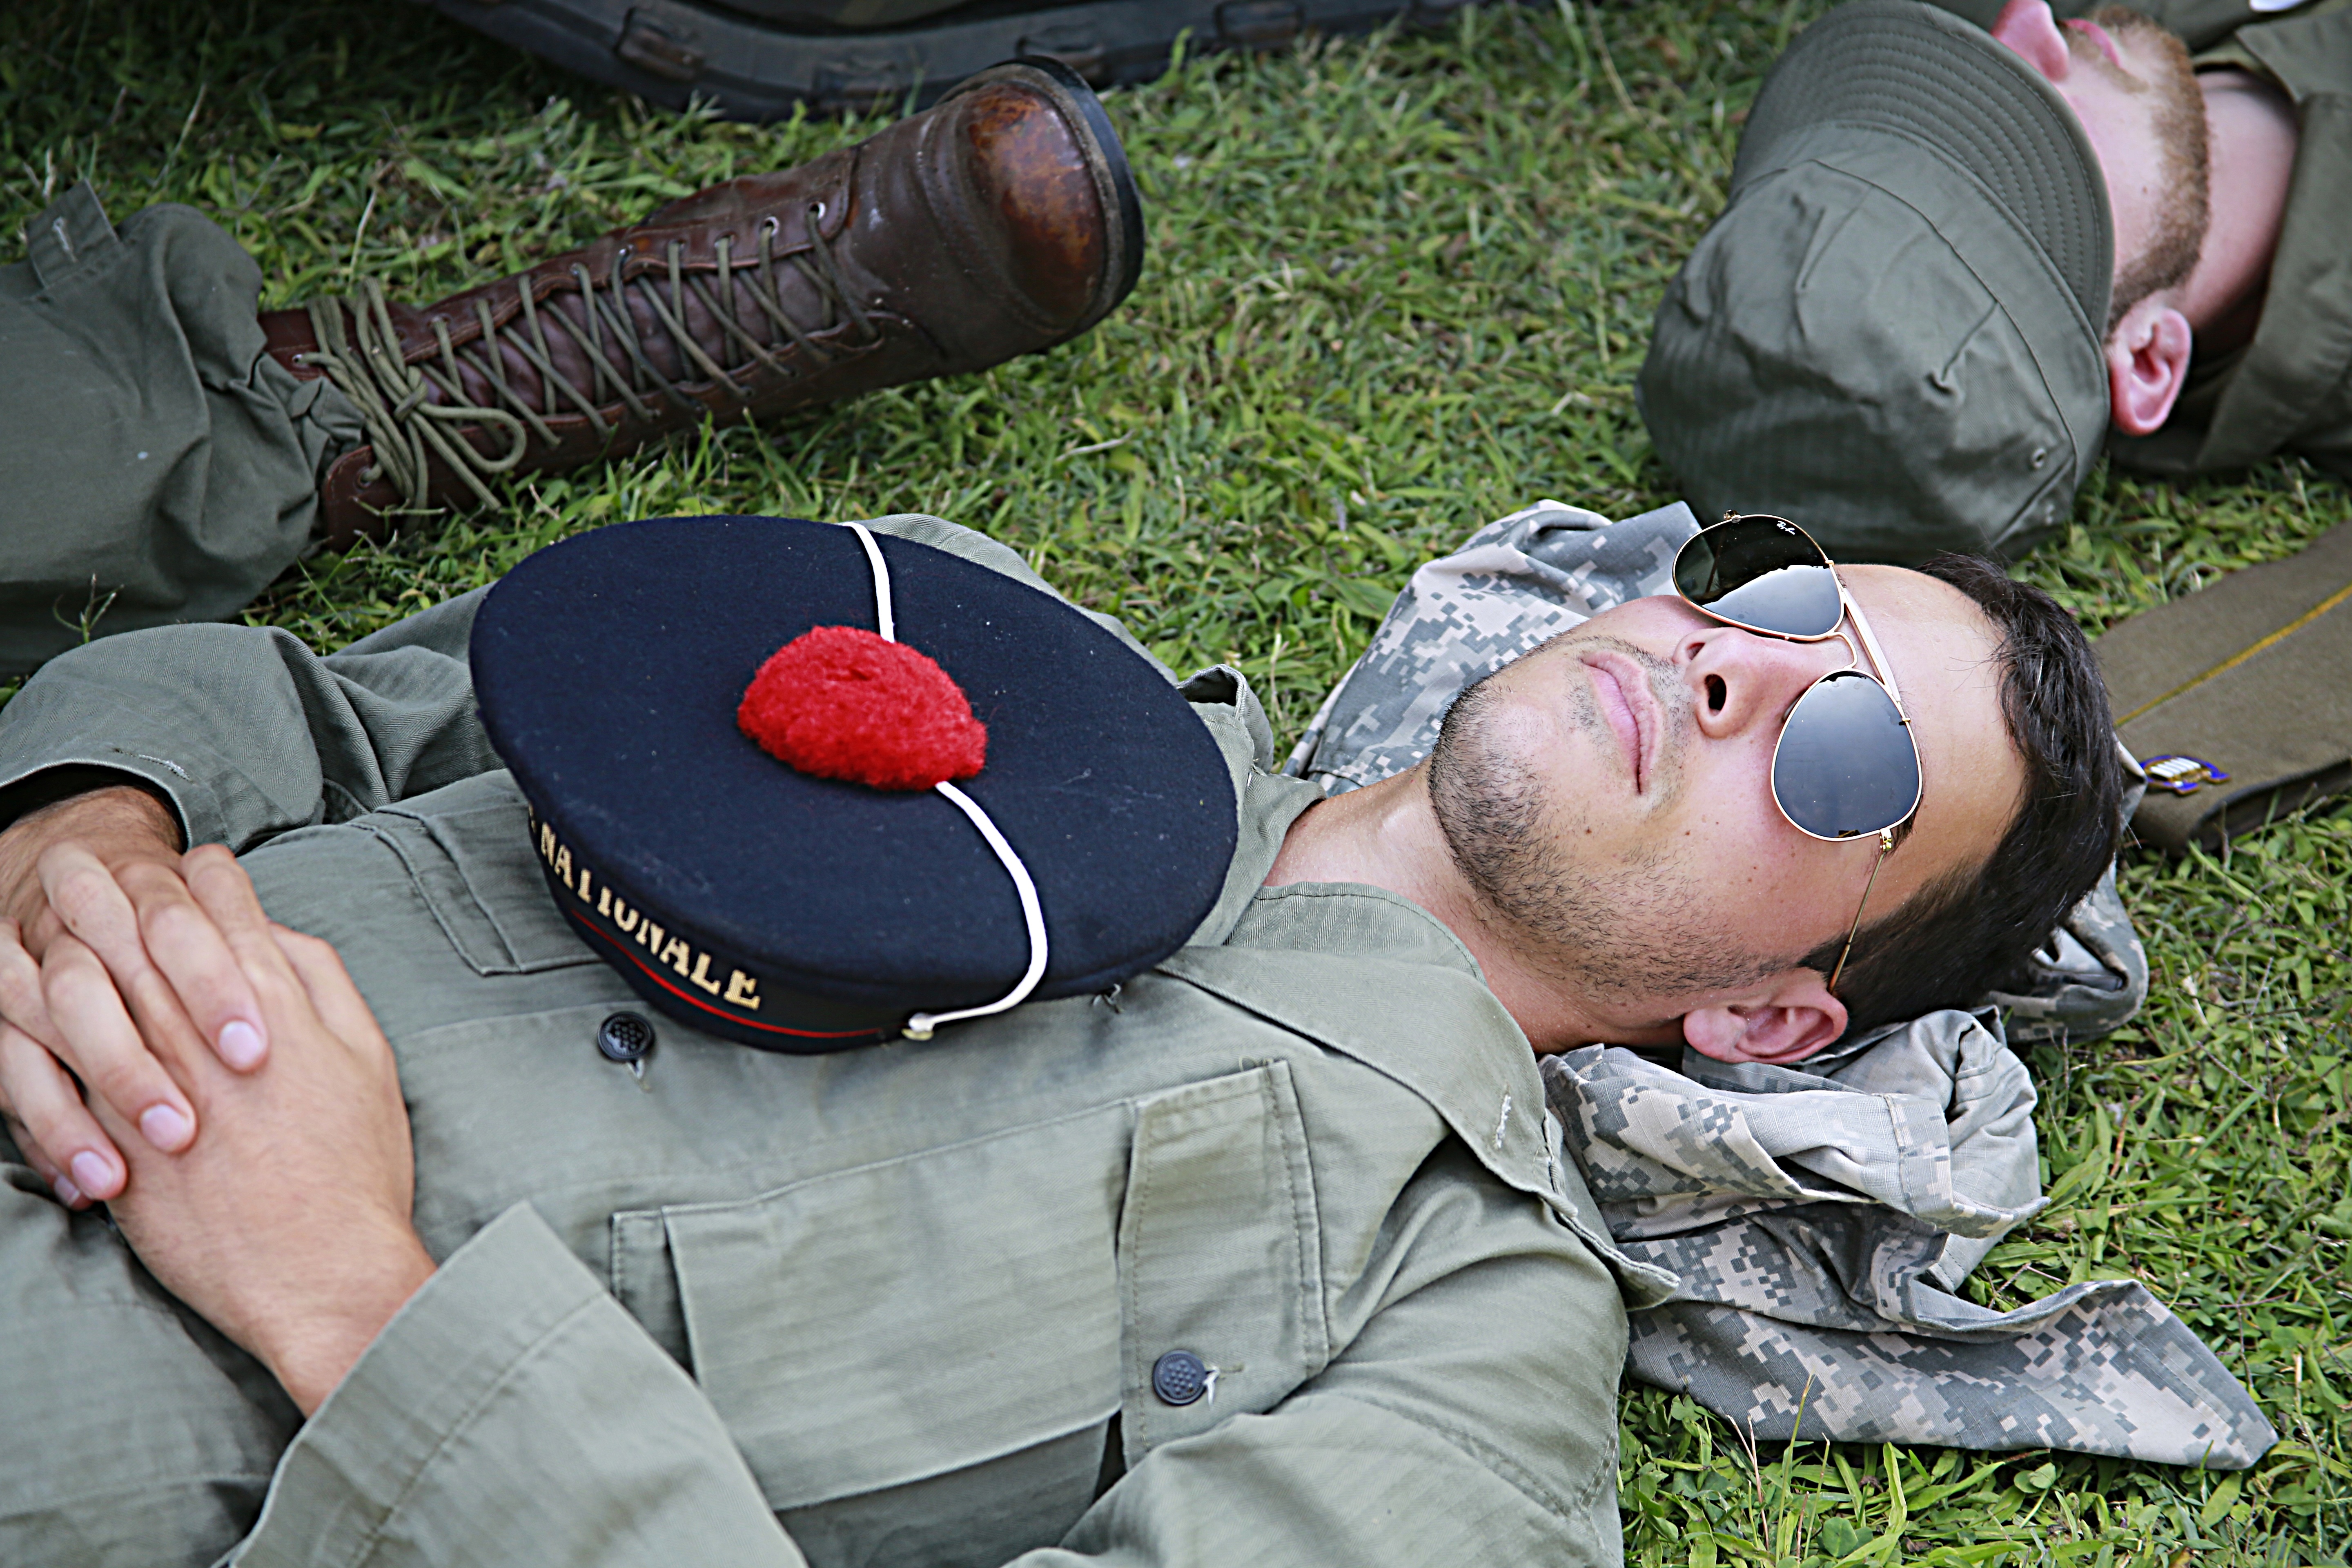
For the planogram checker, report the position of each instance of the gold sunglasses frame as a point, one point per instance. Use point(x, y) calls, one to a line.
point(1880, 671)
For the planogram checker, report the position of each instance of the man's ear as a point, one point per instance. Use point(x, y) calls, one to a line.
point(1795, 1016)
point(2147, 364)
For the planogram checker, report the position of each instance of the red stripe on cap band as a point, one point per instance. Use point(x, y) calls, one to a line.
point(640, 965)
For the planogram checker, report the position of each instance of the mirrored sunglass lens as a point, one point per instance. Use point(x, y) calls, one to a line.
point(1845, 766)
point(1762, 573)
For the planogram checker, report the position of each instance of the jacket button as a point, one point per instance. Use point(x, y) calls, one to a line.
point(1180, 1377)
point(625, 1037)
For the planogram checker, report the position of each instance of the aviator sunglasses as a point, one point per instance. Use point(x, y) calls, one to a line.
point(1845, 766)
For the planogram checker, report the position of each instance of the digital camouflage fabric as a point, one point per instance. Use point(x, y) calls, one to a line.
point(1821, 1221)
point(1512, 587)
point(2091, 975)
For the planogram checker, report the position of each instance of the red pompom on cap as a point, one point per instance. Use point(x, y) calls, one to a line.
point(843, 703)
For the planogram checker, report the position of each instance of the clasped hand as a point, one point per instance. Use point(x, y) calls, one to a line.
point(145, 964)
point(286, 1223)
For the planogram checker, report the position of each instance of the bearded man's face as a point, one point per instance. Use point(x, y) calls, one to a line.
point(1608, 798)
point(1615, 921)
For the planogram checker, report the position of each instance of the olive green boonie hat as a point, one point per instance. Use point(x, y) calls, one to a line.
point(1893, 333)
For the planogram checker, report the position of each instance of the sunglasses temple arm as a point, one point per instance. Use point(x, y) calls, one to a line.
point(1885, 845)
point(1884, 671)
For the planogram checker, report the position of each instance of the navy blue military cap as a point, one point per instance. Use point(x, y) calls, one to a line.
point(773, 905)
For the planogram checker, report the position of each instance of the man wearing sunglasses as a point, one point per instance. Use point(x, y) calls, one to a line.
point(1773, 746)
point(1960, 257)
point(1793, 799)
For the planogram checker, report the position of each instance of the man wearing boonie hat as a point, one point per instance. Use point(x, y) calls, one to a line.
point(166, 449)
point(1955, 260)
point(1202, 1207)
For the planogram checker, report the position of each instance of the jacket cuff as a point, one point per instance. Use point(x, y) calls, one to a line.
point(56, 741)
point(512, 1411)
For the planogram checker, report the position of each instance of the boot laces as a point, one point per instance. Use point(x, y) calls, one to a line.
point(406, 427)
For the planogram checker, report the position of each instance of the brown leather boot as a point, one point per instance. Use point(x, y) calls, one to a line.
point(1001, 221)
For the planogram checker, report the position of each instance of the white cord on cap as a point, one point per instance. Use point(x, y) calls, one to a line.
point(919, 1026)
point(883, 622)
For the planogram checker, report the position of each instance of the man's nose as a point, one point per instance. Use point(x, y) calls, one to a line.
point(2028, 27)
point(1737, 680)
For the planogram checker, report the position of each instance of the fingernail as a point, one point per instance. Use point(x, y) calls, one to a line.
point(165, 1127)
point(68, 1194)
point(240, 1045)
point(90, 1172)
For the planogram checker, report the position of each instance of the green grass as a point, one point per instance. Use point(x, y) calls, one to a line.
point(1395, 286)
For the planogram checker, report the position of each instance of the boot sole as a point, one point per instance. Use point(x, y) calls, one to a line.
point(1114, 187)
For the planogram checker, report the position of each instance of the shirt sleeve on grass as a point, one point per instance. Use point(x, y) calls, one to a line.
point(512, 1412)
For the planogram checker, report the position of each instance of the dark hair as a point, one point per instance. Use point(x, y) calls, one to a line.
point(1960, 936)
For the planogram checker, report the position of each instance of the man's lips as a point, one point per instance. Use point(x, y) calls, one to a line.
point(2100, 37)
point(1623, 694)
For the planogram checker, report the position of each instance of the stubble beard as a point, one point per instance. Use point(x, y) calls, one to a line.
point(1621, 930)
point(2176, 118)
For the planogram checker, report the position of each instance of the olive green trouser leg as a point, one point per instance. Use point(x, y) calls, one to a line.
point(156, 465)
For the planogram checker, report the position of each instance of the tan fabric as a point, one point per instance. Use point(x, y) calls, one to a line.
point(2278, 719)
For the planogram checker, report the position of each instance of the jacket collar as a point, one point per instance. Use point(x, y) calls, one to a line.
point(1376, 978)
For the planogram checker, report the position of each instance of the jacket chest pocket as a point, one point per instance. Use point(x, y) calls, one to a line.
point(919, 1315)
point(468, 850)
point(1220, 1259)
point(899, 1320)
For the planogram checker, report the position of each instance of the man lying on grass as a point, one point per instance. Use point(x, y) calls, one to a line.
point(2123, 232)
point(1263, 1255)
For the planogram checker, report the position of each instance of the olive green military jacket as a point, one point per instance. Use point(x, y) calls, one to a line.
point(2290, 389)
point(899, 1304)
